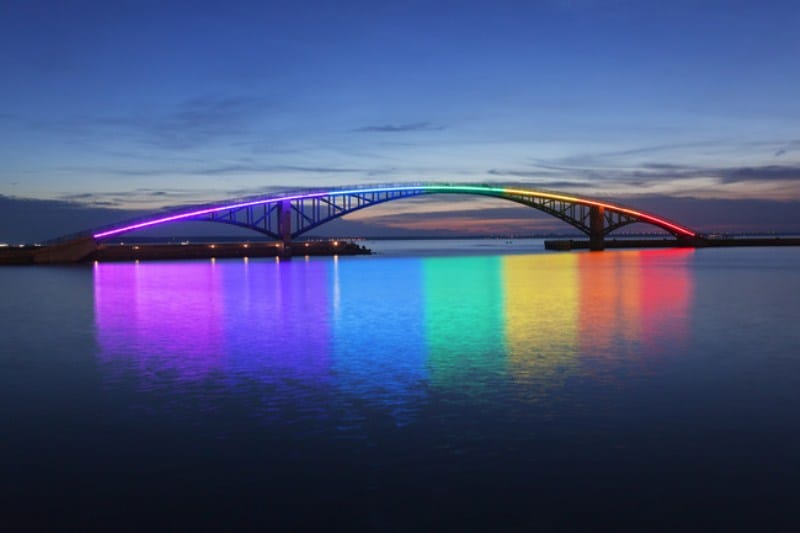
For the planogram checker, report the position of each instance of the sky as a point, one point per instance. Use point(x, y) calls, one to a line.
point(689, 109)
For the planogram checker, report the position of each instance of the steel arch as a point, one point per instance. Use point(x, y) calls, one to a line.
point(286, 216)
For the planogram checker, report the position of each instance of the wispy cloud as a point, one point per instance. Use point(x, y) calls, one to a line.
point(678, 150)
point(198, 121)
point(231, 169)
point(222, 170)
point(399, 128)
point(645, 173)
point(193, 123)
point(768, 173)
point(786, 148)
point(542, 179)
point(142, 198)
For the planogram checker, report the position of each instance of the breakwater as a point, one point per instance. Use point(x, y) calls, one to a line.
point(716, 242)
point(28, 255)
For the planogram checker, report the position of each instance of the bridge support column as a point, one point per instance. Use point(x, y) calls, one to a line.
point(596, 219)
point(285, 227)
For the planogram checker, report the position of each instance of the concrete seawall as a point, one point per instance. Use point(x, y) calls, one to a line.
point(133, 252)
point(566, 245)
point(84, 250)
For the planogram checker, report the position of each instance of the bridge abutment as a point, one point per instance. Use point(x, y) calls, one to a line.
point(72, 251)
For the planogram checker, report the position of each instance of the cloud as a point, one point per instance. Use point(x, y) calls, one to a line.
point(216, 170)
point(602, 158)
point(199, 120)
point(535, 178)
point(142, 198)
point(275, 168)
point(658, 171)
point(649, 173)
point(770, 172)
point(788, 147)
point(33, 220)
point(398, 128)
point(189, 124)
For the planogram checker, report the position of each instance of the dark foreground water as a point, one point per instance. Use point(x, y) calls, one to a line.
point(639, 389)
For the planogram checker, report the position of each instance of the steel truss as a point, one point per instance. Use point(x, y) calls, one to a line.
point(576, 214)
point(306, 213)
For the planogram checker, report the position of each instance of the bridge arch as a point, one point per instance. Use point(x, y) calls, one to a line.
point(285, 216)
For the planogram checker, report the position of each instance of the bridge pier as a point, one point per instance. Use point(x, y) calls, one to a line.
point(285, 227)
point(596, 222)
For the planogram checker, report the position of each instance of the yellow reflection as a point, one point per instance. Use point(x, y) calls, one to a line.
point(541, 309)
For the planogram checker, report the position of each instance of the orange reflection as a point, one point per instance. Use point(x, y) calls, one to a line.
point(634, 304)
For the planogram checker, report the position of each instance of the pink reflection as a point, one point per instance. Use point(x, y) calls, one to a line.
point(665, 296)
point(635, 306)
point(162, 320)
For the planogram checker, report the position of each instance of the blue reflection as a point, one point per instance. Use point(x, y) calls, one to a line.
point(379, 347)
point(276, 320)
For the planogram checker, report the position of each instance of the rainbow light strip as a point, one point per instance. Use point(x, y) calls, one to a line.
point(467, 189)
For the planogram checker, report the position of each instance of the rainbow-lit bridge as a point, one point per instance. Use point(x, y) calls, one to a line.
point(285, 216)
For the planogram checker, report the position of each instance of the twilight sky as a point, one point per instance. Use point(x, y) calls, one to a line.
point(688, 108)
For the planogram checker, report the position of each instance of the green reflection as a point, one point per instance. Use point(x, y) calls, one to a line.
point(464, 321)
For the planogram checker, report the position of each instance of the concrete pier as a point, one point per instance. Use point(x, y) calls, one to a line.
point(580, 244)
point(84, 251)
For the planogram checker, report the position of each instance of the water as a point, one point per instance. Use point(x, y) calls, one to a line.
point(465, 388)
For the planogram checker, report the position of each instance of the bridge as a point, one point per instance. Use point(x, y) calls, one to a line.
point(286, 216)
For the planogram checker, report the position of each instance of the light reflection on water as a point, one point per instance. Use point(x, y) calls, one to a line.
point(387, 331)
point(398, 392)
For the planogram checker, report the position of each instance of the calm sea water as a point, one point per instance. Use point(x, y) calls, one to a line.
point(458, 385)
